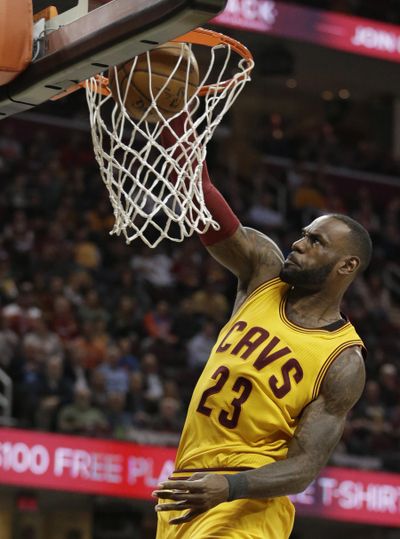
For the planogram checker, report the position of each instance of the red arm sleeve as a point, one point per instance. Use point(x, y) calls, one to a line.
point(215, 202)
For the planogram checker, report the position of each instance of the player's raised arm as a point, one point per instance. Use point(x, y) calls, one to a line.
point(317, 434)
point(249, 254)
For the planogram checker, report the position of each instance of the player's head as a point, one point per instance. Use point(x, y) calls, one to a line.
point(332, 250)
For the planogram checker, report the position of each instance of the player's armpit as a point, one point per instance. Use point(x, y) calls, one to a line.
point(250, 255)
point(318, 432)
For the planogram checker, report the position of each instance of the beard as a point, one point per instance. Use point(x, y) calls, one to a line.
point(306, 278)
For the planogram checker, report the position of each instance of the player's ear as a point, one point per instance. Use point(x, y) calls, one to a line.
point(349, 265)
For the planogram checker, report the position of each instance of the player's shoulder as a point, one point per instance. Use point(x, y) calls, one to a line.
point(351, 359)
point(267, 260)
point(264, 245)
point(266, 254)
point(266, 264)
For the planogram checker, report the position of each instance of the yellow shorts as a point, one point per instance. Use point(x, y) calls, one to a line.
point(240, 519)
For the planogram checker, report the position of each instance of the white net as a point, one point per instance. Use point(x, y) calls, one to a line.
point(156, 191)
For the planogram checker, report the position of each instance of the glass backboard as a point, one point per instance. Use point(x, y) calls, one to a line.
point(91, 35)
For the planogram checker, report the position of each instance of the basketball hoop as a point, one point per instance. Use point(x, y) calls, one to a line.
point(138, 170)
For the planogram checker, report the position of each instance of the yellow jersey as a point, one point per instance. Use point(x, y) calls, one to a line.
point(262, 372)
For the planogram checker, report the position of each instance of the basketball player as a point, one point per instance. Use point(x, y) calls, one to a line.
point(272, 401)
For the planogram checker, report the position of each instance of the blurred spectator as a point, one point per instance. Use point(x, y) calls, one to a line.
point(263, 213)
point(158, 323)
point(45, 340)
point(200, 346)
point(8, 286)
point(98, 388)
point(169, 416)
point(391, 242)
point(87, 254)
point(10, 146)
point(23, 312)
point(370, 422)
point(210, 303)
point(136, 402)
point(375, 298)
point(80, 417)
point(130, 285)
point(78, 283)
point(187, 268)
point(128, 360)
point(53, 391)
point(93, 341)
point(75, 370)
point(152, 380)
point(171, 388)
point(100, 219)
point(116, 377)
point(119, 420)
point(27, 369)
point(91, 309)
point(63, 321)
point(308, 196)
point(395, 423)
point(19, 239)
point(186, 322)
point(155, 267)
point(128, 317)
point(365, 213)
point(8, 343)
point(389, 382)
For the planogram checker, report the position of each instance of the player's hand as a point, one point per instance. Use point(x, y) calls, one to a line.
point(198, 494)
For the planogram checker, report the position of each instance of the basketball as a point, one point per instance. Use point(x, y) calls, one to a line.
point(169, 95)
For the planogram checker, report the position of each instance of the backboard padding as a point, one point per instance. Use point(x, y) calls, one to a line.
point(108, 35)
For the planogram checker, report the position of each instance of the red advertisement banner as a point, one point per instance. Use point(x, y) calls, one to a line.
point(121, 469)
point(353, 495)
point(343, 32)
point(82, 464)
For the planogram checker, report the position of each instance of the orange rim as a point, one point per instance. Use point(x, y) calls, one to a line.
point(209, 38)
point(199, 36)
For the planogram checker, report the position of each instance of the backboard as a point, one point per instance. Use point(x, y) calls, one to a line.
point(89, 36)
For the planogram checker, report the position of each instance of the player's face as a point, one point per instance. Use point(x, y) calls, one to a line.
point(315, 255)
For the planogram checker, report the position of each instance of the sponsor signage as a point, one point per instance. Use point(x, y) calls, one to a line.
point(353, 495)
point(121, 469)
point(327, 28)
point(82, 464)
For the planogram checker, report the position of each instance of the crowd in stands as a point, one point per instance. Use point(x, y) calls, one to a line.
point(387, 10)
point(106, 339)
point(333, 140)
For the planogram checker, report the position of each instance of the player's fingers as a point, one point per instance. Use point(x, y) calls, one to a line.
point(187, 517)
point(177, 506)
point(181, 485)
point(168, 495)
point(197, 475)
